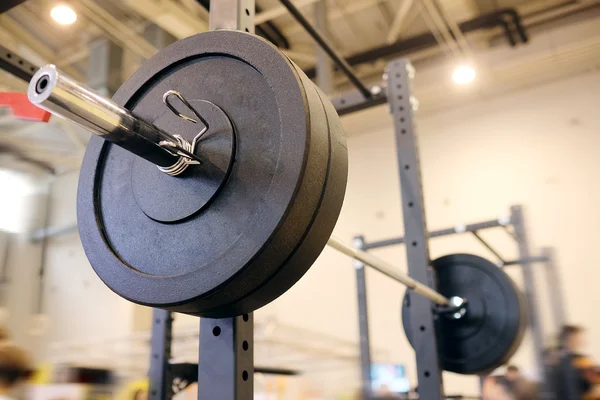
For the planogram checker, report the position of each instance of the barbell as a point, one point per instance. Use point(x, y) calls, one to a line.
point(214, 179)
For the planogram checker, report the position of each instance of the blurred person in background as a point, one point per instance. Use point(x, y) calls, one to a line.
point(510, 379)
point(4, 333)
point(494, 389)
point(517, 385)
point(510, 386)
point(577, 366)
point(16, 368)
point(140, 394)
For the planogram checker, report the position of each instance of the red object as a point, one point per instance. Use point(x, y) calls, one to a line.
point(22, 108)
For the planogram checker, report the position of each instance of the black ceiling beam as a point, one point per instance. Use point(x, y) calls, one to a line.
point(16, 65)
point(6, 5)
point(502, 18)
point(324, 44)
point(281, 39)
point(268, 30)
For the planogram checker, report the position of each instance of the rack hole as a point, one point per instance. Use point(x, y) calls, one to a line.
point(245, 345)
point(20, 62)
point(401, 108)
point(245, 375)
point(407, 167)
point(414, 244)
point(402, 120)
point(247, 12)
point(422, 328)
point(410, 203)
point(245, 318)
point(403, 131)
point(400, 97)
point(247, 30)
point(8, 55)
point(427, 374)
point(216, 331)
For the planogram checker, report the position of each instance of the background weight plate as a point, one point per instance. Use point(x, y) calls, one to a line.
point(273, 214)
point(495, 322)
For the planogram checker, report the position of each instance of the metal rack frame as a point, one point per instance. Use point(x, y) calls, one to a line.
point(546, 259)
point(399, 75)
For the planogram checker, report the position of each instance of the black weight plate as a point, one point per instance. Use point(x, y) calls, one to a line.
point(272, 216)
point(493, 327)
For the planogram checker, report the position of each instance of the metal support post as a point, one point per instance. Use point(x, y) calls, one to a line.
point(501, 260)
point(226, 359)
point(226, 362)
point(417, 251)
point(555, 289)
point(324, 64)
point(158, 37)
point(518, 223)
point(160, 350)
point(104, 66)
point(232, 14)
point(482, 379)
point(363, 323)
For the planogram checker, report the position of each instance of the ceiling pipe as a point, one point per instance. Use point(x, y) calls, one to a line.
point(501, 18)
point(6, 5)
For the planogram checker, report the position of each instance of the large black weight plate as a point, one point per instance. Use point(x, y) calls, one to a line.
point(494, 324)
point(278, 201)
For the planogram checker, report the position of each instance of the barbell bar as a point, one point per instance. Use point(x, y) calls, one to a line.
point(51, 90)
point(389, 270)
point(60, 95)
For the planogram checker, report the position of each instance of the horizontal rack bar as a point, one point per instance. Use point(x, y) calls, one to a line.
point(503, 221)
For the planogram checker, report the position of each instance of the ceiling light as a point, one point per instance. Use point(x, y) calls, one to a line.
point(63, 15)
point(463, 74)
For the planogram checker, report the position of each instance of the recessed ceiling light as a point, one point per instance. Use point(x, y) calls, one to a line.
point(463, 74)
point(63, 14)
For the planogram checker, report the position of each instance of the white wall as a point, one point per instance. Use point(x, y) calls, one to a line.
point(537, 147)
point(78, 304)
point(21, 292)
